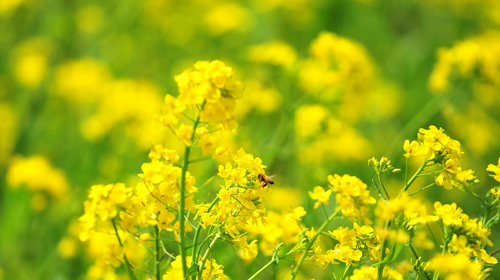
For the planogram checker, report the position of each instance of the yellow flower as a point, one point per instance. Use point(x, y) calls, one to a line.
point(398, 236)
point(225, 172)
point(466, 175)
point(239, 176)
point(222, 153)
point(185, 134)
point(449, 213)
point(248, 251)
point(277, 53)
point(410, 148)
point(226, 17)
point(352, 196)
point(321, 196)
point(455, 267)
point(165, 220)
point(495, 169)
point(206, 141)
point(370, 273)
point(68, 247)
point(345, 254)
point(296, 214)
point(420, 241)
point(344, 235)
point(144, 238)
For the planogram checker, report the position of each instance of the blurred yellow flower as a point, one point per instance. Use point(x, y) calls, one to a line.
point(8, 5)
point(227, 17)
point(274, 52)
point(455, 267)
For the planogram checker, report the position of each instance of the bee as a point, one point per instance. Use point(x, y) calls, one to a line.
point(264, 180)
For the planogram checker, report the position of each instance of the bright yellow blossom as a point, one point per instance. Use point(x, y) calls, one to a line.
point(321, 196)
point(495, 169)
point(296, 214)
point(185, 134)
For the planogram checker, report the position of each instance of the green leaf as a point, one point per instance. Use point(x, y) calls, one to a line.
point(493, 221)
point(193, 270)
point(391, 257)
point(213, 277)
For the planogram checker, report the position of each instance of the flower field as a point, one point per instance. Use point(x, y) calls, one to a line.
point(231, 139)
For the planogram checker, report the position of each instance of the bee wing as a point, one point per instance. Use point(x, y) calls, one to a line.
point(272, 176)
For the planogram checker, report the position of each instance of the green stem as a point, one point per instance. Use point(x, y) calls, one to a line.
point(182, 243)
point(476, 196)
point(158, 253)
point(198, 230)
point(262, 269)
point(165, 251)
point(412, 179)
point(182, 197)
point(324, 210)
point(131, 275)
point(432, 234)
point(200, 159)
point(380, 271)
point(383, 187)
point(311, 242)
point(347, 267)
point(430, 173)
point(198, 254)
point(205, 257)
point(424, 188)
point(273, 260)
point(406, 170)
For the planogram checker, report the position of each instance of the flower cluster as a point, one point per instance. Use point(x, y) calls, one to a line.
point(211, 89)
point(276, 53)
point(123, 213)
point(439, 148)
point(38, 175)
point(336, 64)
point(475, 56)
point(239, 200)
point(352, 244)
point(104, 203)
point(468, 236)
point(210, 86)
point(338, 74)
point(352, 197)
point(212, 270)
point(413, 210)
point(455, 267)
point(370, 273)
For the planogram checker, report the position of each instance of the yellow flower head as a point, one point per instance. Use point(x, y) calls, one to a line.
point(296, 214)
point(495, 169)
point(321, 196)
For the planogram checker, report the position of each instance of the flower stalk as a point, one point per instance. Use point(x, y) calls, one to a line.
point(131, 275)
point(182, 198)
point(311, 242)
point(198, 230)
